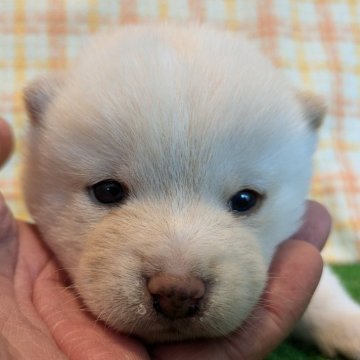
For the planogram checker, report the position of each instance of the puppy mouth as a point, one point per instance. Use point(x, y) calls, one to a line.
point(172, 315)
point(163, 329)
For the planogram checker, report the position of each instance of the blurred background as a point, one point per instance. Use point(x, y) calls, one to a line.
point(316, 43)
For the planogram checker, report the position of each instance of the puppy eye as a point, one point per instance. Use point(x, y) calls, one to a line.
point(244, 200)
point(108, 192)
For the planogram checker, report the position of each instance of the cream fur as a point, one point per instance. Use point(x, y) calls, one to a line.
point(185, 117)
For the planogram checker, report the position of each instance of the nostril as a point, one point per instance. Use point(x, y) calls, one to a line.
point(173, 309)
point(174, 296)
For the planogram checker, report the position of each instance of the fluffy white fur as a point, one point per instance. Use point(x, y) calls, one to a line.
point(185, 117)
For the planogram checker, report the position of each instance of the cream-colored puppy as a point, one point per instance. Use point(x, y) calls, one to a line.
point(163, 170)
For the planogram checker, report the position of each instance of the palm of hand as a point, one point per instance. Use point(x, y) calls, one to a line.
point(39, 310)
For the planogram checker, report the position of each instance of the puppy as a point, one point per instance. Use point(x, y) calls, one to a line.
point(163, 170)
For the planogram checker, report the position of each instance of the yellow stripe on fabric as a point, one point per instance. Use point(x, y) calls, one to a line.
point(321, 66)
point(20, 78)
point(341, 145)
point(19, 58)
point(93, 15)
point(300, 53)
point(354, 11)
point(230, 11)
point(163, 9)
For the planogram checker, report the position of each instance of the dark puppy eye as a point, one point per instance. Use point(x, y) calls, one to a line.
point(244, 200)
point(108, 192)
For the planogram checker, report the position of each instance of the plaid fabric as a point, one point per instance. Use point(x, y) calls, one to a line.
point(316, 43)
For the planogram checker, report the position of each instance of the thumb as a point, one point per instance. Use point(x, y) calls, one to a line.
point(8, 240)
point(6, 141)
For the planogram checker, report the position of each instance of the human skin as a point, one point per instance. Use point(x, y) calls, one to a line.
point(41, 317)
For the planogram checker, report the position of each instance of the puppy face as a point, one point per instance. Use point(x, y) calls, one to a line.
point(163, 170)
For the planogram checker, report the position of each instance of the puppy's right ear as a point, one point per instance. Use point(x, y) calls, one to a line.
point(39, 94)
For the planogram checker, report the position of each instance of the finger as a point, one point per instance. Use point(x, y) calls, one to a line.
point(316, 225)
point(21, 333)
point(38, 283)
point(293, 277)
point(8, 240)
point(6, 141)
point(74, 330)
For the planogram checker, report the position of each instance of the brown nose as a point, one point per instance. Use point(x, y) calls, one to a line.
point(176, 297)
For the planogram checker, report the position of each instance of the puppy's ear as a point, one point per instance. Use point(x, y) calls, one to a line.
point(39, 93)
point(314, 108)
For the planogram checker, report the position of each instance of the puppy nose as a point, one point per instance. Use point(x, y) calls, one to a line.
point(176, 297)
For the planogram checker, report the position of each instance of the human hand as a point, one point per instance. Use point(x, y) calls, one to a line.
point(42, 318)
point(293, 277)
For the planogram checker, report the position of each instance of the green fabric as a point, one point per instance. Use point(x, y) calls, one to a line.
point(293, 350)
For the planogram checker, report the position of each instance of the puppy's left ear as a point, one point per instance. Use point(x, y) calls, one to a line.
point(314, 108)
point(39, 94)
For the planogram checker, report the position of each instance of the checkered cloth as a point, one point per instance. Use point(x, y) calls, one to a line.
point(316, 43)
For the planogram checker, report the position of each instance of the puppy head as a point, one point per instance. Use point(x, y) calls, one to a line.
point(163, 170)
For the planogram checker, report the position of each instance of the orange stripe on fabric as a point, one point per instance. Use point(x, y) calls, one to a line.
point(322, 177)
point(196, 10)
point(326, 189)
point(56, 27)
point(128, 12)
point(267, 28)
